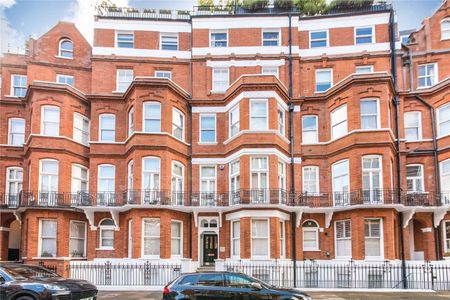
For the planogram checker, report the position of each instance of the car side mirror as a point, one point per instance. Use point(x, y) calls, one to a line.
point(256, 286)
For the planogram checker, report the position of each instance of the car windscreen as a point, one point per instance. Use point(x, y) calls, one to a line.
point(28, 272)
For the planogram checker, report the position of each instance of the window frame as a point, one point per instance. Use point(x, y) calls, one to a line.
point(211, 32)
point(43, 121)
point(414, 178)
point(177, 178)
point(151, 256)
point(439, 122)
point(103, 228)
point(163, 35)
point(281, 126)
point(434, 75)
point(41, 161)
point(160, 74)
point(372, 35)
point(20, 87)
point(282, 224)
point(315, 231)
point(445, 20)
point(130, 121)
point(333, 125)
point(11, 134)
point(119, 83)
point(267, 238)
point(445, 237)
point(144, 119)
point(316, 170)
point(84, 239)
point(271, 30)
point(180, 238)
point(234, 109)
point(61, 50)
point(381, 238)
point(331, 79)
point(378, 118)
point(60, 76)
point(333, 177)
point(214, 87)
point(207, 129)
point(183, 122)
point(123, 32)
point(17, 182)
point(41, 237)
point(100, 127)
point(235, 238)
point(419, 127)
point(106, 178)
point(316, 129)
point(364, 66)
point(252, 114)
point(265, 68)
point(72, 178)
point(209, 179)
point(319, 40)
point(151, 173)
point(83, 133)
point(346, 238)
point(444, 175)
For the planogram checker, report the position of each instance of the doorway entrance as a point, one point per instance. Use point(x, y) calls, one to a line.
point(210, 247)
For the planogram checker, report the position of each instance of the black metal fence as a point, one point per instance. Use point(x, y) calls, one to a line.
point(125, 274)
point(427, 275)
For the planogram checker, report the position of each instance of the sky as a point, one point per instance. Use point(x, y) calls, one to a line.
point(22, 19)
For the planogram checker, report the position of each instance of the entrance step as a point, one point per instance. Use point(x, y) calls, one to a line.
point(206, 269)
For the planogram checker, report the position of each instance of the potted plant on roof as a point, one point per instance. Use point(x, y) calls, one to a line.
point(184, 14)
point(134, 12)
point(254, 5)
point(165, 13)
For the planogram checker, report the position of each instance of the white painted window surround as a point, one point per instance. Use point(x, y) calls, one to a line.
point(124, 79)
point(106, 236)
point(310, 134)
point(220, 80)
point(427, 75)
point(445, 29)
point(443, 120)
point(310, 230)
point(413, 125)
point(16, 131)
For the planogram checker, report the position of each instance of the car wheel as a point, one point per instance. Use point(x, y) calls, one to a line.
point(24, 298)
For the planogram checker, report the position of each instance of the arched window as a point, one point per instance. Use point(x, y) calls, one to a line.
point(107, 234)
point(310, 236)
point(445, 29)
point(66, 48)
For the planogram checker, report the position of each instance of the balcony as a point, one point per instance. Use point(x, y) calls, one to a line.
point(241, 197)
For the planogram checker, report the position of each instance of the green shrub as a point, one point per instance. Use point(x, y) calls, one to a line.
point(283, 4)
point(349, 4)
point(311, 7)
point(254, 4)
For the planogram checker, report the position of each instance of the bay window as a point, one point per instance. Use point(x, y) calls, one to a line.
point(259, 115)
point(372, 179)
point(47, 238)
point(343, 239)
point(151, 237)
point(80, 129)
point(107, 128)
point(77, 239)
point(373, 239)
point(48, 181)
point(80, 179)
point(130, 180)
point(50, 120)
point(339, 122)
point(235, 182)
point(176, 241)
point(16, 131)
point(413, 125)
point(310, 231)
point(152, 117)
point(131, 121)
point(260, 238)
point(106, 184)
point(310, 133)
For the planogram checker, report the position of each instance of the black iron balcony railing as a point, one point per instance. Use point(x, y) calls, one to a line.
point(256, 197)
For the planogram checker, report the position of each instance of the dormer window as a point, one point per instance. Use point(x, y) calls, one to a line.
point(66, 48)
point(445, 29)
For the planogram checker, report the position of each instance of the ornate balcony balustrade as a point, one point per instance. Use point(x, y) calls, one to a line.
point(255, 197)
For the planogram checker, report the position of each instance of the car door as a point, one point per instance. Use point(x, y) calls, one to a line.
point(242, 287)
point(211, 286)
point(2, 288)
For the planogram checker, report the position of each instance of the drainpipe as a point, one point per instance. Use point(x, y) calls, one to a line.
point(190, 144)
point(396, 102)
point(291, 140)
point(436, 172)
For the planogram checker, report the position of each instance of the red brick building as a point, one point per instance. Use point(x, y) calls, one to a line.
point(243, 136)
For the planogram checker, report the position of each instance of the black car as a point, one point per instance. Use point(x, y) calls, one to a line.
point(30, 282)
point(225, 286)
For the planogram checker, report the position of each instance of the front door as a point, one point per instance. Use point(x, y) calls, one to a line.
point(209, 249)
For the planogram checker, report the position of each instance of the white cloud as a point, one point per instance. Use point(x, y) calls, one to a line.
point(7, 3)
point(82, 15)
point(11, 40)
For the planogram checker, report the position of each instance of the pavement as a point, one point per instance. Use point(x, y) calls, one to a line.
point(314, 295)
